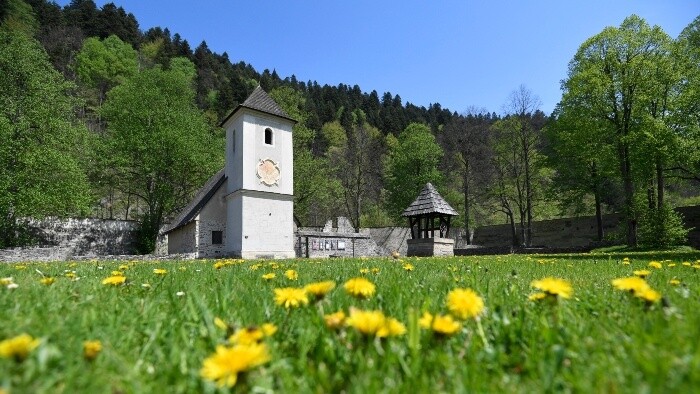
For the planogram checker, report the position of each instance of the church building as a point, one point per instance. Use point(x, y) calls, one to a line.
point(246, 209)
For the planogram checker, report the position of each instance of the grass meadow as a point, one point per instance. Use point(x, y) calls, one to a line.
point(157, 330)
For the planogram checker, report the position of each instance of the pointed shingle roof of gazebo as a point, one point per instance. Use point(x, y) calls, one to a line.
point(259, 100)
point(429, 201)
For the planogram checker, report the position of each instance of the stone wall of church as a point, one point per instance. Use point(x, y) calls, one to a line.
point(184, 239)
point(206, 248)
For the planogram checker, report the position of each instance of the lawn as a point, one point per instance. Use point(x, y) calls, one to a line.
point(157, 330)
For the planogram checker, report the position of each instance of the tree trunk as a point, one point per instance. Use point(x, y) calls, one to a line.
point(660, 183)
point(466, 203)
point(513, 231)
point(596, 196)
point(528, 189)
point(628, 187)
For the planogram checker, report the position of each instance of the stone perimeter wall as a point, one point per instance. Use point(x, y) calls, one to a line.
point(62, 239)
point(575, 233)
point(66, 239)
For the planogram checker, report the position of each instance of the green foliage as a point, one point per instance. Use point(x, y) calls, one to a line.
point(412, 163)
point(43, 149)
point(17, 16)
point(622, 82)
point(376, 216)
point(103, 64)
point(662, 228)
point(156, 338)
point(356, 164)
point(161, 152)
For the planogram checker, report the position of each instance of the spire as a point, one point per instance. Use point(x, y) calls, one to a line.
point(259, 100)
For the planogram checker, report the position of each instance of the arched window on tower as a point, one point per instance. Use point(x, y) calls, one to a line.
point(268, 136)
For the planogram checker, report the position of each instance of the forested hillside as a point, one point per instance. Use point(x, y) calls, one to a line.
point(108, 119)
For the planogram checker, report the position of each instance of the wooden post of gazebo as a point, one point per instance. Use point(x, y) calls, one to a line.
point(430, 237)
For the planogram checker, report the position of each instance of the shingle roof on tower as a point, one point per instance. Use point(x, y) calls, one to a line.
point(259, 100)
point(190, 212)
point(429, 201)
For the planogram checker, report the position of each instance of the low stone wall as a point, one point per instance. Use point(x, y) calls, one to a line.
point(62, 239)
point(430, 247)
point(576, 233)
point(320, 244)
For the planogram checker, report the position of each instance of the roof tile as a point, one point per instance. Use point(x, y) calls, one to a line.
point(429, 201)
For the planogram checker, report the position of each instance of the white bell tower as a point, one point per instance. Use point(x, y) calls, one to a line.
point(260, 180)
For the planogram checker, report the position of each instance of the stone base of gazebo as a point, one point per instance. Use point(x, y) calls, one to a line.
point(425, 247)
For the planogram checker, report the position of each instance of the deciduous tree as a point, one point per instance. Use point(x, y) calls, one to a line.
point(163, 151)
point(43, 144)
point(413, 161)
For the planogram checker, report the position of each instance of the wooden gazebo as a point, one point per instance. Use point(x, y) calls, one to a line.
point(429, 220)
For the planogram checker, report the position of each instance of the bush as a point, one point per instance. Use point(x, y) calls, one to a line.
point(662, 228)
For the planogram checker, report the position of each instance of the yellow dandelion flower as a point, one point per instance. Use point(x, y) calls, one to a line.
point(18, 347)
point(20, 267)
point(633, 284)
point(649, 295)
point(219, 265)
point(224, 366)
point(291, 297)
point(465, 303)
point(159, 271)
point(696, 266)
point(274, 266)
point(255, 267)
point(364, 270)
point(537, 296)
point(70, 275)
point(554, 286)
point(117, 273)
point(6, 281)
point(366, 322)
point(291, 274)
point(219, 323)
point(269, 276)
point(391, 328)
point(320, 289)
point(123, 267)
point(674, 282)
point(655, 264)
point(375, 270)
point(114, 280)
point(334, 320)
point(642, 273)
point(408, 267)
point(246, 336)
point(686, 264)
point(48, 281)
point(445, 325)
point(360, 287)
point(671, 265)
point(91, 349)
point(426, 320)
point(268, 329)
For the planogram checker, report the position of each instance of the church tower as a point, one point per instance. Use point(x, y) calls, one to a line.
point(260, 179)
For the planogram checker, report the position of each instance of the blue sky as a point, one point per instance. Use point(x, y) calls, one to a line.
point(456, 53)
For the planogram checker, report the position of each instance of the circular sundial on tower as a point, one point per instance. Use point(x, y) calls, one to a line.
point(269, 172)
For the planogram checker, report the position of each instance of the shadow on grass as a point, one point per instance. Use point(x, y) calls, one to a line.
point(684, 253)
